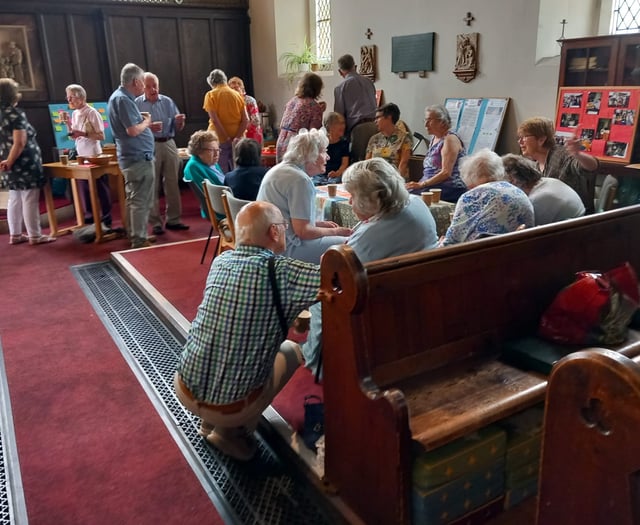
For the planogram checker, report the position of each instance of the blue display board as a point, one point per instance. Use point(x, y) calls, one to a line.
point(477, 121)
point(60, 128)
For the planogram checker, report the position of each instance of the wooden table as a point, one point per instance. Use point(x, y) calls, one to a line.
point(90, 173)
point(338, 210)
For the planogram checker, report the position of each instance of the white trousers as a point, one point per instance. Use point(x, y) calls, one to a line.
point(23, 208)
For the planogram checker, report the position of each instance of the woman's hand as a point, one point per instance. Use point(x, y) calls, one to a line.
point(76, 133)
point(4, 165)
point(327, 224)
point(412, 185)
point(573, 145)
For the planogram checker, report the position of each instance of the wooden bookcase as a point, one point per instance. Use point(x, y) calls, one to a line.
point(612, 60)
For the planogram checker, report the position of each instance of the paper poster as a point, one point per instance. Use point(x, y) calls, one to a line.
point(477, 121)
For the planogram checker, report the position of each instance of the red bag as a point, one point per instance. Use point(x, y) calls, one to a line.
point(595, 309)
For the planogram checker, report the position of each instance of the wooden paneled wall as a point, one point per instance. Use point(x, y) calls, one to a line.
point(88, 43)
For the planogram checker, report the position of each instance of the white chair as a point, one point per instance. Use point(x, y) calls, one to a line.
point(213, 198)
point(232, 206)
point(607, 194)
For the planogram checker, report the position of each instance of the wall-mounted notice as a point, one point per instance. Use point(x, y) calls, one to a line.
point(604, 118)
point(478, 121)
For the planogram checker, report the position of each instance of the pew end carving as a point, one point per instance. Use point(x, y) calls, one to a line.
point(591, 451)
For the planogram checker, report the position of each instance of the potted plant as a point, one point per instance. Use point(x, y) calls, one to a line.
point(297, 62)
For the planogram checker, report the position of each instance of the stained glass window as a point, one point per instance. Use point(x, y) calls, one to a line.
point(625, 17)
point(322, 26)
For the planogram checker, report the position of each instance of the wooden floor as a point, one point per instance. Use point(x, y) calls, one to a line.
point(523, 514)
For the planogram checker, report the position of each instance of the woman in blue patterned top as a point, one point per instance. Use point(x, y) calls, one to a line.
point(22, 160)
point(492, 206)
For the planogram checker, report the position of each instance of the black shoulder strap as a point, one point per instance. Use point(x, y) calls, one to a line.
point(276, 296)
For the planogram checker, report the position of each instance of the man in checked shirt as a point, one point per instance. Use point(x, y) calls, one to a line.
point(236, 358)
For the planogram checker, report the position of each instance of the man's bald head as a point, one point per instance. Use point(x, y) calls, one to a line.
point(254, 226)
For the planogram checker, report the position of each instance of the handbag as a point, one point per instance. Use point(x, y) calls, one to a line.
point(595, 309)
point(313, 427)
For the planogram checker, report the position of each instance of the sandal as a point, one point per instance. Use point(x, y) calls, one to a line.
point(43, 239)
point(18, 239)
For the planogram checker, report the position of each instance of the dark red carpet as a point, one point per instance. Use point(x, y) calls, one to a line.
point(92, 448)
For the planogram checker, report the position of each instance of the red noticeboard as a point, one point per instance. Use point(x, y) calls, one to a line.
point(603, 117)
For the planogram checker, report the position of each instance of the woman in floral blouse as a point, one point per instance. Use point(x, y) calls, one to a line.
point(492, 205)
point(21, 165)
point(303, 111)
point(392, 143)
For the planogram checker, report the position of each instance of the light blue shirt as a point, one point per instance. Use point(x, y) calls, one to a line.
point(162, 110)
point(123, 113)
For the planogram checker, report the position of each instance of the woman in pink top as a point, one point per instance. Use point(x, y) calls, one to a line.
point(254, 128)
point(303, 111)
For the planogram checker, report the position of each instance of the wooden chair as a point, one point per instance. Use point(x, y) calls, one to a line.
point(591, 448)
point(232, 206)
point(213, 198)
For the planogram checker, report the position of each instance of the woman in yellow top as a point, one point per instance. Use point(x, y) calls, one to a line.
point(227, 116)
point(392, 143)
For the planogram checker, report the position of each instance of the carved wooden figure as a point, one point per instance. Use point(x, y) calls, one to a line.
point(368, 62)
point(466, 57)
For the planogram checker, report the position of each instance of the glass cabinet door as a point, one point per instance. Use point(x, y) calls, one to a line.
point(588, 66)
point(629, 62)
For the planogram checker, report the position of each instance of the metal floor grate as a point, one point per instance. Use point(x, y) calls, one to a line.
point(262, 491)
point(12, 505)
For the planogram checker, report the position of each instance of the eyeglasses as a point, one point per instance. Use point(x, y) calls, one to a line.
point(284, 224)
point(523, 137)
point(215, 150)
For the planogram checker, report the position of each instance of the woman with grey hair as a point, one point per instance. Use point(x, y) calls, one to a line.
point(492, 206)
point(227, 116)
point(288, 185)
point(441, 164)
point(552, 199)
point(86, 128)
point(393, 222)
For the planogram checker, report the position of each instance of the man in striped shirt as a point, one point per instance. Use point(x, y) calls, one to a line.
point(235, 361)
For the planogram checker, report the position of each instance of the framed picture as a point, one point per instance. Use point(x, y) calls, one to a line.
point(604, 118)
point(20, 56)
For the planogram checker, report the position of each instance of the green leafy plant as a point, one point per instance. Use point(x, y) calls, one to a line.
point(295, 62)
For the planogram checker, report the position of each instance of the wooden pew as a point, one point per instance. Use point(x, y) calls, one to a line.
point(591, 450)
point(411, 345)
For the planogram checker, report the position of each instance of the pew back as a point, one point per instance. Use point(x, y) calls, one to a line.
point(406, 335)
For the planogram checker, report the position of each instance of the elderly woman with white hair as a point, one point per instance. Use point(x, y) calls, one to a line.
point(288, 185)
point(392, 223)
point(492, 206)
point(228, 116)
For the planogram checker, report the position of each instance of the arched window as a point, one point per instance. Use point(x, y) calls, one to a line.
point(321, 32)
point(625, 16)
